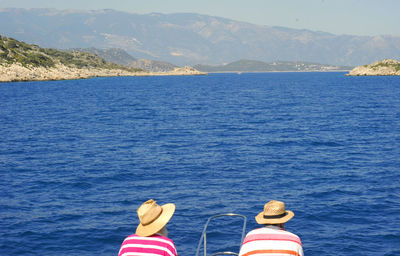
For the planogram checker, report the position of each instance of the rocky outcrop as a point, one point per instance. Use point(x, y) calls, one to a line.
point(20, 61)
point(185, 71)
point(386, 67)
point(17, 72)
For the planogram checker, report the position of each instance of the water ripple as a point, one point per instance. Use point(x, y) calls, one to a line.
point(78, 157)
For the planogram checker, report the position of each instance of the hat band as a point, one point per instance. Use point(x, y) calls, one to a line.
point(275, 216)
point(153, 218)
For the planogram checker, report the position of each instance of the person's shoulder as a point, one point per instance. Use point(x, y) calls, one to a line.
point(289, 233)
point(265, 230)
point(167, 239)
point(130, 238)
point(296, 237)
point(255, 231)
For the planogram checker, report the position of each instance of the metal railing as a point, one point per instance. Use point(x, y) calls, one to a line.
point(203, 238)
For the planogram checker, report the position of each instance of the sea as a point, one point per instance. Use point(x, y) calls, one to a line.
point(78, 157)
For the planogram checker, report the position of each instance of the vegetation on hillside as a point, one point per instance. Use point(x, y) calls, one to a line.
point(393, 65)
point(13, 51)
point(113, 55)
point(121, 57)
point(30, 55)
point(386, 67)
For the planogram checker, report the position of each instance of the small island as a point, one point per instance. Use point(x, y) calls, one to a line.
point(20, 61)
point(386, 67)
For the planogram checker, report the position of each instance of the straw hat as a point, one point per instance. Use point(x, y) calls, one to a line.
point(274, 213)
point(153, 217)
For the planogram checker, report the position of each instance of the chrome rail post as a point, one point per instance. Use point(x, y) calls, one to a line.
point(203, 237)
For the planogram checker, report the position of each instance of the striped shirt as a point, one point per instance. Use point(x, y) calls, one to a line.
point(154, 245)
point(271, 241)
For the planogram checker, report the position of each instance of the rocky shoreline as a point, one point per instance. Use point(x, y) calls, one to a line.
point(16, 73)
point(386, 67)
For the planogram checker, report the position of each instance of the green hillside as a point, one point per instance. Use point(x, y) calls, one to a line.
point(30, 55)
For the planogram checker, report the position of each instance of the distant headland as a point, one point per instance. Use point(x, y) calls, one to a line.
point(20, 61)
point(277, 66)
point(386, 67)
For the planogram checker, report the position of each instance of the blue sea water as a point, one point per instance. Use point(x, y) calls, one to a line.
point(77, 158)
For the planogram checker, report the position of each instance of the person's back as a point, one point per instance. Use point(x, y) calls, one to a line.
point(272, 239)
point(152, 245)
point(151, 234)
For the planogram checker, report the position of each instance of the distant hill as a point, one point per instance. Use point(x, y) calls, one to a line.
point(120, 56)
point(153, 65)
point(113, 55)
point(189, 39)
point(259, 66)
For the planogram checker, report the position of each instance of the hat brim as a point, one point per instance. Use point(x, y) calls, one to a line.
point(261, 220)
point(152, 228)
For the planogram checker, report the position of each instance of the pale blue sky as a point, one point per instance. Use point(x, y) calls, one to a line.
point(357, 17)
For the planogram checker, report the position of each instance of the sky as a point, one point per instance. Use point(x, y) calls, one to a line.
point(354, 17)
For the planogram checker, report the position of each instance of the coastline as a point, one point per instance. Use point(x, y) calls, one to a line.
point(17, 73)
point(387, 67)
point(288, 71)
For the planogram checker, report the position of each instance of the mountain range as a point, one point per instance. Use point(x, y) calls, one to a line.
point(189, 39)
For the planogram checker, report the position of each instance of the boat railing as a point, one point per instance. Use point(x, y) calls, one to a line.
point(203, 238)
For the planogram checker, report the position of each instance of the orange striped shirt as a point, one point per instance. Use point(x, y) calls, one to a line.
point(271, 241)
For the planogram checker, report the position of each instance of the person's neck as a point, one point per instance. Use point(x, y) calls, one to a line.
point(163, 232)
point(280, 225)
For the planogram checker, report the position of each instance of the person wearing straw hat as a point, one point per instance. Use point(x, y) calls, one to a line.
point(151, 236)
point(272, 238)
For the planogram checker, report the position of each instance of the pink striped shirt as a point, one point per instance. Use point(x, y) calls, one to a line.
point(271, 240)
point(154, 245)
